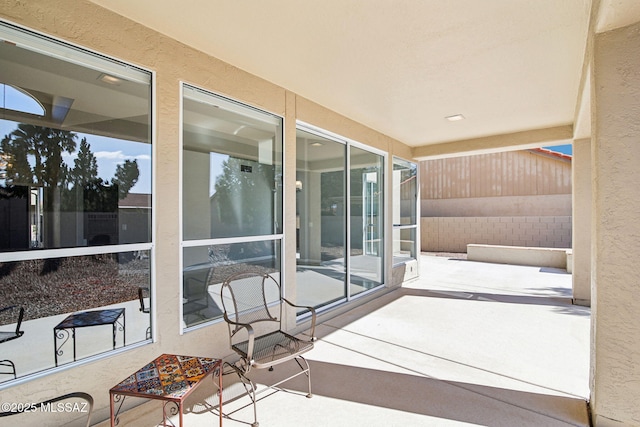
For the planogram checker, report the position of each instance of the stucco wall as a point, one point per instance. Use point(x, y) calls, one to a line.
point(582, 222)
point(92, 27)
point(516, 198)
point(452, 234)
point(510, 173)
point(535, 205)
point(616, 230)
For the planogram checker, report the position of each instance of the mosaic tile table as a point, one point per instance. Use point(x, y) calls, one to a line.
point(85, 319)
point(170, 378)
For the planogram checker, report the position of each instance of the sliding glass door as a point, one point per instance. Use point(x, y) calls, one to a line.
point(320, 220)
point(405, 215)
point(367, 214)
point(339, 219)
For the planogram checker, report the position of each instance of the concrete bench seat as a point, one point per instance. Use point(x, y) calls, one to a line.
point(521, 255)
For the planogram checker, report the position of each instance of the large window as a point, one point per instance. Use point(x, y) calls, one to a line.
point(232, 197)
point(339, 218)
point(75, 201)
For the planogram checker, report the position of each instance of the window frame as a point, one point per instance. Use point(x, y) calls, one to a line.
point(349, 143)
point(416, 206)
point(239, 107)
point(69, 52)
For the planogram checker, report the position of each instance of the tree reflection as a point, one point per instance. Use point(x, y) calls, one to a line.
point(34, 167)
point(244, 204)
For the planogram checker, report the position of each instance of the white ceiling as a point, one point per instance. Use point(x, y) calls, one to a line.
point(400, 66)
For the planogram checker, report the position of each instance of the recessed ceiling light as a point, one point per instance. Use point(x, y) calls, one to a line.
point(112, 80)
point(455, 117)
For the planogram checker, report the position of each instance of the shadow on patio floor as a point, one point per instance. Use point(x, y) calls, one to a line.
point(451, 348)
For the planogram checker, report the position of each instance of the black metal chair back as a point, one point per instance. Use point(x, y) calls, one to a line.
point(11, 335)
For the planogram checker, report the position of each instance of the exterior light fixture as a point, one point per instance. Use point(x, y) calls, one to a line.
point(316, 144)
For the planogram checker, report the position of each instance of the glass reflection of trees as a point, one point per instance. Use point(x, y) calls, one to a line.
point(244, 199)
point(34, 160)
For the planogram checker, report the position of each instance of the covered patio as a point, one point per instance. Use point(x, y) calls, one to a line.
point(204, 93)
point(467, 343)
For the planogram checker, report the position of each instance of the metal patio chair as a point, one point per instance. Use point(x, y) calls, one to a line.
point(144, 297)
point(251, 302)
point(196, 295)
point(11, 335)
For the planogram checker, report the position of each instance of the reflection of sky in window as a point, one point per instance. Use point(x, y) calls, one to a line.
point(109, 153)
point(16, 100)
point(215, 170)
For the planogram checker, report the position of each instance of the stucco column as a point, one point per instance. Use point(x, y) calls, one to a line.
point(581, 217)
point(615, 376)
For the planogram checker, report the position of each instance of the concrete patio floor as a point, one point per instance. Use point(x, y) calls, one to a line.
point(467, 343)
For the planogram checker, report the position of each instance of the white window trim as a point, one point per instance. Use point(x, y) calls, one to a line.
point(68, 52)
point(210, 98)
point(193, 92)
point(348, 142)
point(71, 252)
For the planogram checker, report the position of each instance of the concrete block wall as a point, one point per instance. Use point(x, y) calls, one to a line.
point(453, 234)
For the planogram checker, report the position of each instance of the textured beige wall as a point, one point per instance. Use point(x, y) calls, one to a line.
point(582, 222)
point(453, 234)
point(541, 205)
point(510, 173)
point(616, 202)
point(92, 27)
point(539, 257)
point(513, 198)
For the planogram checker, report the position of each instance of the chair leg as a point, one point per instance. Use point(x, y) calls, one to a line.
point(250, 388)
point(8, 363)
point(307, 372)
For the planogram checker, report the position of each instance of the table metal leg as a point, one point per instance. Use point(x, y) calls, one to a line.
point(112, 418)
point(123, 325)
point(220, 393)
point(115, 413)
point(74, 343)
point(65, 335)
